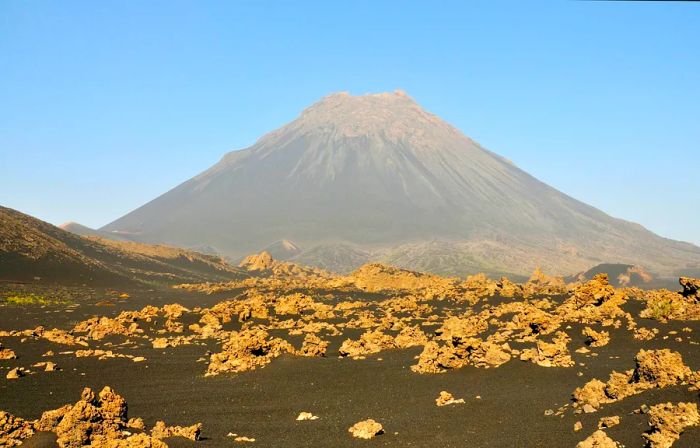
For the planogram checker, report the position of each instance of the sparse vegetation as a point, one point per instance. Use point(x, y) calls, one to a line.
point(24, 299)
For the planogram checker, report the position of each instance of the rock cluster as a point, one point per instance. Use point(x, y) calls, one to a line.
point(247, 350)
point(460, 352)
point(370, 342)
point(98, 420)
point(162, 431)
point(596, 338)
point(313, 346)
point(550, 354)
point(668, 421)
point(14, 430)
point(691, 287)
point(654, 368)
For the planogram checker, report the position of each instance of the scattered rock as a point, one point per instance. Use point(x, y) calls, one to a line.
point(6, 353)
point(445, 398)
point(161, 431)
point(15, 373)
point(596, 338)
point(366, 429)
point(306, 416)
point(313, 346)
point(654, 368)
point(550, 354)
point(247, 350)
point(370, 342)
point(608, 422)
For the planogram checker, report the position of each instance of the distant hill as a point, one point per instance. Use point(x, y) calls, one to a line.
point(283, 250)
point(377, 178)
point(33, 250)
point(622, 275)
point(82, 230)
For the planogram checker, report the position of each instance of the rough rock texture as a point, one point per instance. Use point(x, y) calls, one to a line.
point(247, 350)
point(668, 421)
point(654, 368)
point(550, 354)
point(13, 430)
point(598, 440)
point(366, 429)
point(6, 353)
point(691, 287)
point(313, 346)
point(370, 342)
point(660, 367)
point(664, 305)
point(445, 398)
point(608, 422)
point(596, 338)
point(161, 431)
point(98, 420)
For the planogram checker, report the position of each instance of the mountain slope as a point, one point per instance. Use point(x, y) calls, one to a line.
point(79, 229)
point(31, 249)
point(379, 175)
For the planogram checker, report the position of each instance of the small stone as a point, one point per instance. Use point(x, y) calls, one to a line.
point(306, 416)
point(15, 373)
point(366, 429)
point(446, 398)
point(588, 409)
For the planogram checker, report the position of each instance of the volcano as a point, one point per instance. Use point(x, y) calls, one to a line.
point(377, 178)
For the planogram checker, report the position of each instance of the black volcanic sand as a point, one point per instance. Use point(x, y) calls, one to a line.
point(264, 403)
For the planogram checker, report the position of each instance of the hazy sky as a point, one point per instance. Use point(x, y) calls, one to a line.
point(105, 105)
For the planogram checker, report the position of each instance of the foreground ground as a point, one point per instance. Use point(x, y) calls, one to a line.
point(247, 357)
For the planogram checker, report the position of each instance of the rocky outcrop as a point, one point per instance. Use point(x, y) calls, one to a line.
point(596, 338)
point(550, 354)
point(460, 352)
point(247, 350)
point(654, 368)
point(257, 262)
point(668, 421)
point(691, 288)
point(14, 430)
point(98, 420)
point(542, 284)
point(313, 346)
point(370, 342)
point(162, 431)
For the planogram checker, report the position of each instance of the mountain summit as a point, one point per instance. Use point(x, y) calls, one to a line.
point(376, 177)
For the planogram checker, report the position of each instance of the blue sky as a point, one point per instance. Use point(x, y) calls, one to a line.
point(105, 105)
